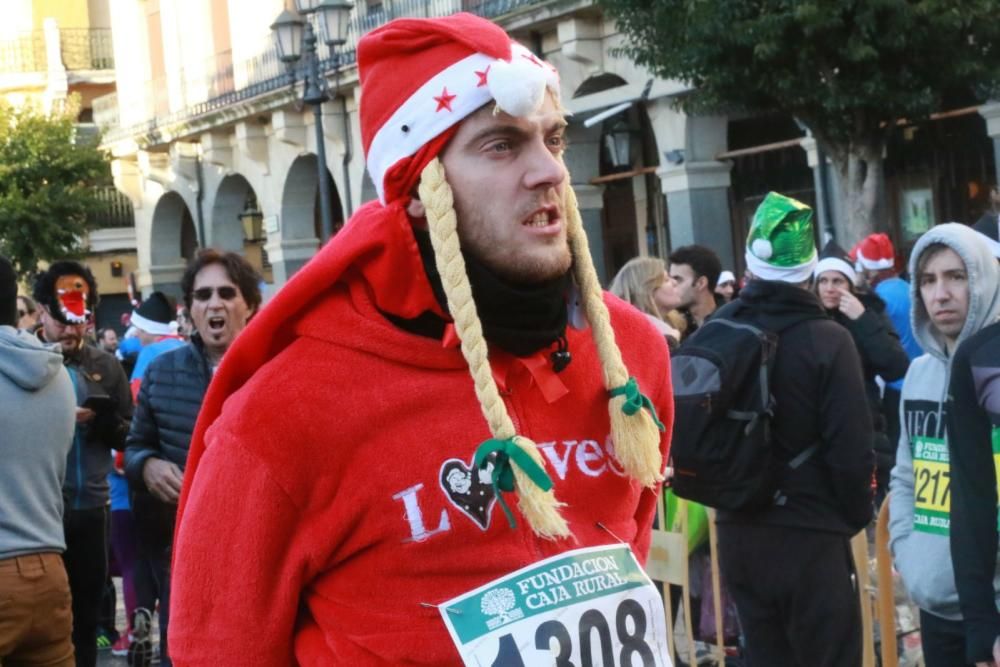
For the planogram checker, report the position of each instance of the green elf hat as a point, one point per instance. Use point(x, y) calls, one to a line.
point(780, 245)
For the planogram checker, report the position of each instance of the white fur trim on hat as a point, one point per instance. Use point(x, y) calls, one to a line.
point(153, 327)
point(447, 98)
point(875, 264)
point(789, 274)
point(836, 264)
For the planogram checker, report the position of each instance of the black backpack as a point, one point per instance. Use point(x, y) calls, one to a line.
point(721, 447)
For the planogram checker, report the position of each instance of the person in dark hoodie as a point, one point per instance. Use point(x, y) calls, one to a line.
point(37, 426)
point(974, 448)
point(955, 293)
point(863, 314)
point(789, 566)
point(67, 295)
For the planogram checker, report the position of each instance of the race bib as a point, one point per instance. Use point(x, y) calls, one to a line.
point(592, 606)
point(932, 486)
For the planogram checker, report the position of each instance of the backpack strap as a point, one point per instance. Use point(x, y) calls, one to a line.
point(762, 375)
point(780, 499)
point(804, 456)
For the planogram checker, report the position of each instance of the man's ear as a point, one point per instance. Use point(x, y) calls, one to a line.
point(701, 283)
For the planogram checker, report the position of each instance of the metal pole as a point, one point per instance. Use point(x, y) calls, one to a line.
point(315, 95)
point(326, 216)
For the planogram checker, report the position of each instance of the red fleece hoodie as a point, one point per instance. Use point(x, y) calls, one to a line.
point(332, 493)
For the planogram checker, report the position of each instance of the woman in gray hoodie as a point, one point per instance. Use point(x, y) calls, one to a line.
point(955, 292)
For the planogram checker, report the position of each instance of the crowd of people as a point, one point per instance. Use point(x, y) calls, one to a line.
point(443, 442)
point(98, 456)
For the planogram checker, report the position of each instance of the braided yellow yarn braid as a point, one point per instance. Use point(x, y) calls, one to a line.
point(540, 508)
point(636, 436)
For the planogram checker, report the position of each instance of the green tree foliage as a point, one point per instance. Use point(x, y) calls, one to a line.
point(847, 69)
point(47, 179)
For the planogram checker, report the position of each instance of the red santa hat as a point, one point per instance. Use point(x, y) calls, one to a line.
point(420, 78)
point(875, 252)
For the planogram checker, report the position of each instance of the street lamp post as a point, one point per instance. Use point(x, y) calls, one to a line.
point(296, 38)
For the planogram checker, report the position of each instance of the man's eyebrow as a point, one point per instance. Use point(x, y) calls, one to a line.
point(559, 123)
point(516, 131)
point(496, 130)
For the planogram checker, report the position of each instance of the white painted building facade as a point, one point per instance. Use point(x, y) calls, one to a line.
point(206, 115)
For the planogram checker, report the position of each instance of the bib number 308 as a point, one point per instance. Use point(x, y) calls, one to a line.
point(630, 630)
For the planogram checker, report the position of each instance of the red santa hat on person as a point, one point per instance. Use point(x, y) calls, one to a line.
point(420, 78)
point(875, 252)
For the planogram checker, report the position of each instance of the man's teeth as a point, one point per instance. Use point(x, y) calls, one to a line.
point(539, 220)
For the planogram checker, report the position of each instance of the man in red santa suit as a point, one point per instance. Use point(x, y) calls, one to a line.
point(350, 488)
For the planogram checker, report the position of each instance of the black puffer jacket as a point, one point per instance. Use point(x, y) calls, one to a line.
point(166, 410)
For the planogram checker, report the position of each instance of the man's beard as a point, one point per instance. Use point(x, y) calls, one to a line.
point(70, 344)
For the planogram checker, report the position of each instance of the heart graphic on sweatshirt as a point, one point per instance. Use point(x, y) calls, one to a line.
point(470, 489)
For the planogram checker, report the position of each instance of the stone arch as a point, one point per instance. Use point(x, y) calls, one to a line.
point(300, 212)
point(231, 199)
point(235, 197)
point(173, 239)
point(598, 83)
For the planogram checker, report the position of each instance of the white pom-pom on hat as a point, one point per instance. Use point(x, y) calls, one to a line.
point(517, 86)
point(762, 249)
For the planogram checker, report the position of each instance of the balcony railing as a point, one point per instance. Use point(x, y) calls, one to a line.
point(86, 48)
point(106, 111)
point(220, 82)
point(23, 53)
point(115, 209)
point(81, 48)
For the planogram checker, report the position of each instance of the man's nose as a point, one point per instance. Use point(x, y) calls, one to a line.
point(545, 168)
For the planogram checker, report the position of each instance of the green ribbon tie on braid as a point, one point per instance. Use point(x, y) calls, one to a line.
point(508, 451)
point(635, 400)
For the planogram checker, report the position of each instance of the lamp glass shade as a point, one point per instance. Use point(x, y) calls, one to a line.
point(288, 29)
point(253, 225)
point(334, 19)
point(306, 6)
point(618, 143)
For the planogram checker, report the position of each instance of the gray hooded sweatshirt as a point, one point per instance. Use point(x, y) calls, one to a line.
point(37, 418)
point(919, 507)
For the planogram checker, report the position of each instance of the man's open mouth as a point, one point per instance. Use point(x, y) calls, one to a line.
point(542, 218)
point(216, 324)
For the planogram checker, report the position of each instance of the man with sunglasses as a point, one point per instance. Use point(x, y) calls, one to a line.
point(67, 298)
point(221, 291)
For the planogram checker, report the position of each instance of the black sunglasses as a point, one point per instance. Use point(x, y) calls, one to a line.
point(226, 293)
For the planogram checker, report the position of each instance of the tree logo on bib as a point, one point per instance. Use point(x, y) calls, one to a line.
point(500, 603)
point(470, 490)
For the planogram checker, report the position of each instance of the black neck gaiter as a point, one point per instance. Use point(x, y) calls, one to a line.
point(520, 319)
